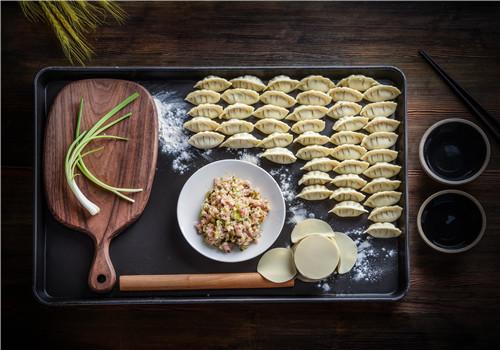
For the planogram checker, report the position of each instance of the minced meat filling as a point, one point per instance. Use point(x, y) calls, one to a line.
point(232, 214)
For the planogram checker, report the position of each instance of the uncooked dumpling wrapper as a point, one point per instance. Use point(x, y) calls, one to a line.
point(316, 257)
point(311, 226)
point(277, 265)
point(348, 252)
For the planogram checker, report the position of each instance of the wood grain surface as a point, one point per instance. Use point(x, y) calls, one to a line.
point(453, 301)
point(130, 164)
point(198, 282)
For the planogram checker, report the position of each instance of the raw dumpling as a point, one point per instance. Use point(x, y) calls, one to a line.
point(245, 96)
point(242, 140)
point(268, 126)
point(249, 82)
point(358, 82)
point(382, 169)
point(382, 199)
point(379, 155)
point(206, 139)
point(309, 227)
point(207, 110)
point(350, 123)
point(315, 193)
point(307, 112)
point(201, 124)
point(213, 83)
point(279, 155)
point(344, 152)
point(383, 230)
point(316, 257)
point(381, 124)
point(349, 180)
point(311, 138)
point(315, 178)
point(344, 109)
point(316, 82)
point(237, 111)
point(381, 184)
point(282, 83)
point(270, 111)
point(345, 94)
point(277, 98)
point(277, 265)
point(379, 109)
point(347, 137)
point(348, 209)
point(235, 126)
point(302, 126)
point(347, 194)
point(203, 96)
point(276, 139)
point(313, 97)
point(386, 214)
point(321, 164)
point(378, 140)
point(351, 167)
point(380, 93)
point(313, 151)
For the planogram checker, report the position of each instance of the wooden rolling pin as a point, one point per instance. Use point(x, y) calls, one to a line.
point(198, 282)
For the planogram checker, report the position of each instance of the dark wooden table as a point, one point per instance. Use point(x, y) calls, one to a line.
point(453, 302)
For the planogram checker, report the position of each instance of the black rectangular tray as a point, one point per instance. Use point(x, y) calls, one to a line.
point(154, 244)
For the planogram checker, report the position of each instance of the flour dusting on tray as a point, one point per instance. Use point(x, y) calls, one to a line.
point(173, 137)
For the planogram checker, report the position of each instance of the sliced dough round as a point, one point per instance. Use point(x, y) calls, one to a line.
point(316, 257)
point(311, 226)
point(277, 265)
point(307, 280)
point(383, 230)
point(348, 252)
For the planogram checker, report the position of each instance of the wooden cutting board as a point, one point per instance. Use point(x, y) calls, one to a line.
point(130, 164)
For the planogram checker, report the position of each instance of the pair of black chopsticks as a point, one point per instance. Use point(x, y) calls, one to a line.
point(488, 121)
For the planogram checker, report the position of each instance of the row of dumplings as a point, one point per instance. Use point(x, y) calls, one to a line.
point(373, 147)
point(353, 88)
point(376, 93)
point(383, 196)
point(304, 112)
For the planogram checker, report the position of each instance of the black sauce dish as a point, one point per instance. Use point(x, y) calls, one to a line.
point(454, 151)
point(451, 221)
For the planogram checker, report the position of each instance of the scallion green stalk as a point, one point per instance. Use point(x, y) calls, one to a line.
point(75, 154)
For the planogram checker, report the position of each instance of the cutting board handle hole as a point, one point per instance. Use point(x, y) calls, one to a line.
point(101, 278)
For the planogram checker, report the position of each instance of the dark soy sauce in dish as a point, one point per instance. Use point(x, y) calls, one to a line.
point(455, 151)
point(451, 221)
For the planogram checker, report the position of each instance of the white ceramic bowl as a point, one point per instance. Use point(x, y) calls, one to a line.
point(194, 191)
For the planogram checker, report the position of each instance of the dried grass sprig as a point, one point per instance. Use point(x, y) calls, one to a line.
point(71, 21)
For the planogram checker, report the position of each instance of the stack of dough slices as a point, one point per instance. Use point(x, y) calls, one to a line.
point(317, 252)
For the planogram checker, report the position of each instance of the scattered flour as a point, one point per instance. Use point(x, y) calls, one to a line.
point(248, 157)
point(172, 136)
point(299, 213)
point(285, 180)
point(288, 185)
point(325, 286)
point(365, 269)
